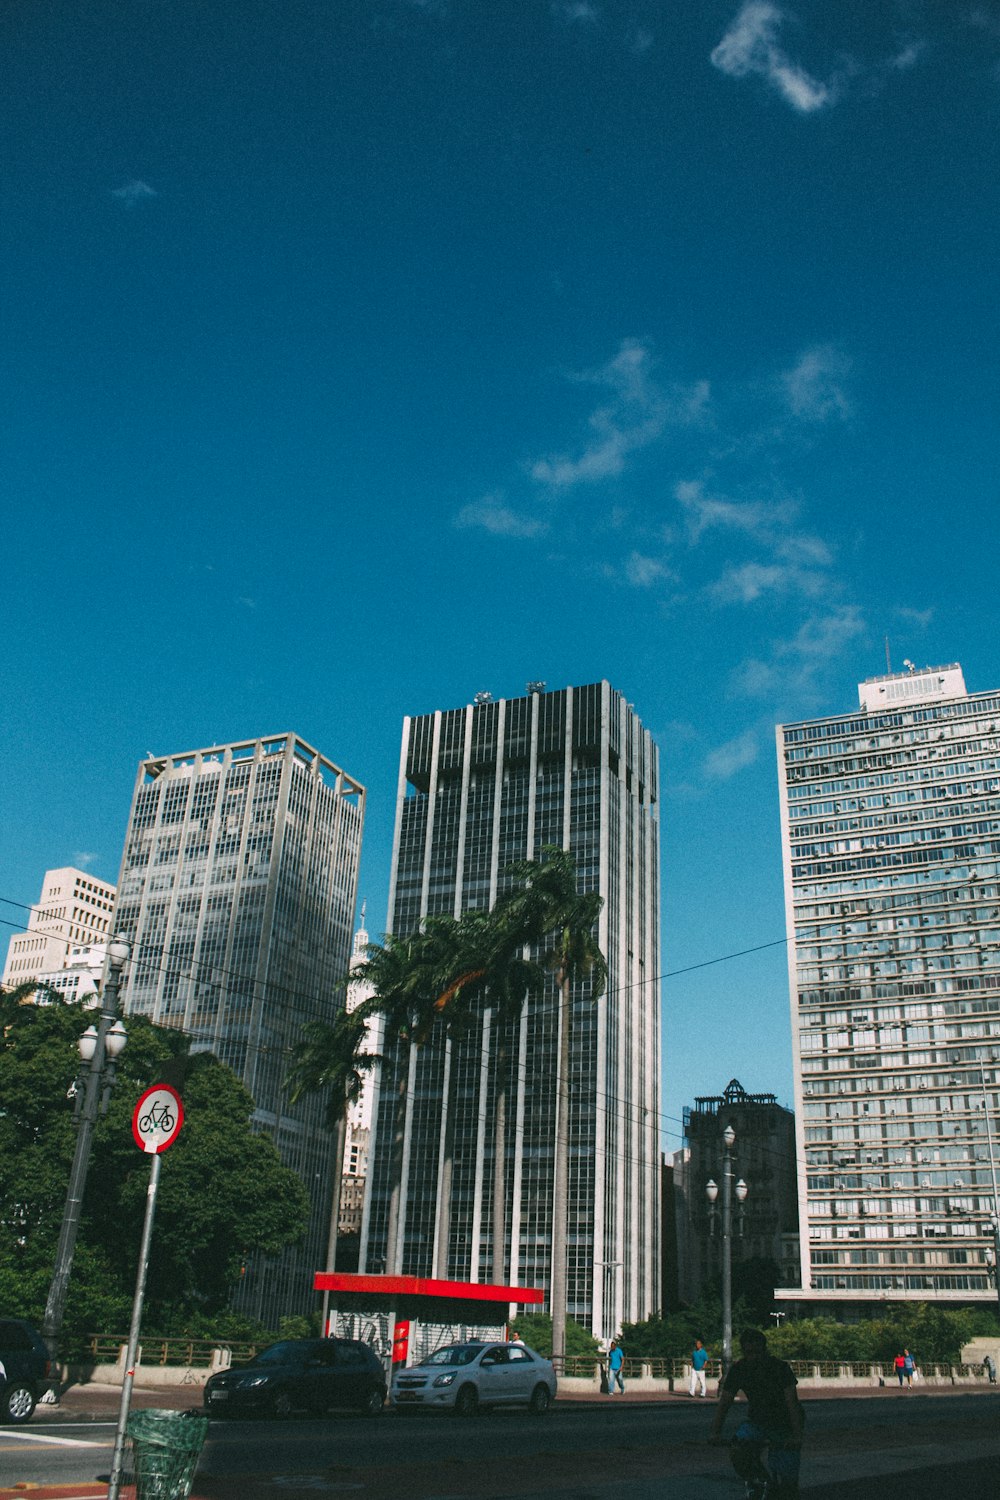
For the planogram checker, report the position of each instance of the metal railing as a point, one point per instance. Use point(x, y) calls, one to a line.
point(104, 1348)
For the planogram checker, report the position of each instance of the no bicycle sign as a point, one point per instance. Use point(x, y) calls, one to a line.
point(157, 1119)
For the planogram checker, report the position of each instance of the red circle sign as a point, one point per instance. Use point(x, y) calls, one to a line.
point(157, 1118)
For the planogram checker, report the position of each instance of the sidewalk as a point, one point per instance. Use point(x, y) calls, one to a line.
point(99, 1403)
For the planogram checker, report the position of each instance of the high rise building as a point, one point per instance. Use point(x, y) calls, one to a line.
point(763, 1156)
point(481, 787)
point(73, 911)
point(890, 820)
point(237, 892)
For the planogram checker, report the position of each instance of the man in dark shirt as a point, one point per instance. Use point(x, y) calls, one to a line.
point(774, 1420)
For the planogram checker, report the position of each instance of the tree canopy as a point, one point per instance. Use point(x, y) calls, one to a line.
point(224, 1192)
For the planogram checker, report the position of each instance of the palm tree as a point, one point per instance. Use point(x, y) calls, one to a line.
point(557, 914)
point(489, 957)
point(404, 975)
point(329, 1059)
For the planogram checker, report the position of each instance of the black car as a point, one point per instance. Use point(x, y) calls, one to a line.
point(24, 1369)
point(301, 1374)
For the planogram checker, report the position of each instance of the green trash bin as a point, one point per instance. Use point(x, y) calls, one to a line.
point(165, 1449)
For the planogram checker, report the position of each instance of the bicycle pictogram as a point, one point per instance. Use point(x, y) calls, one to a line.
point(157, 1117)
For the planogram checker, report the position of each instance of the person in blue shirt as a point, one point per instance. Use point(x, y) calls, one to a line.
point(699, 1359)
point(616, 1365)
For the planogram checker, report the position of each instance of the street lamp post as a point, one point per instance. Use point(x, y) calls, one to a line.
point(729, 1190)
point(97, 1047)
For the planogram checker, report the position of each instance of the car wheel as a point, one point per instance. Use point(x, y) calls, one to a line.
point(281, 1404)
point(18, 1402)
point(466, 1401)
point(540, 1401)
point(373, 1403)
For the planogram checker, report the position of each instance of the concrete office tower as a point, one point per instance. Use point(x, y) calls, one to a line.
point(890, 820)
point(73, 911)
point(480, 787)
point(237, 893)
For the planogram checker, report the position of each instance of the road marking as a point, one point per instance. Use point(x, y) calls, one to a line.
point(42, 1437)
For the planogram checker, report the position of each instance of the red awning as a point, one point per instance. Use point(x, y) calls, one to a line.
point(422, 1286)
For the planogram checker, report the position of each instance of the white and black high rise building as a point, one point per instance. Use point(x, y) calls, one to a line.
point(480, 787)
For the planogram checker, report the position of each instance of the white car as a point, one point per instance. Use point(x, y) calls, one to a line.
point(463, 1377)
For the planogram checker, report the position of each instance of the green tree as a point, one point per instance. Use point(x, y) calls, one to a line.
point(223, 1189)
point(536, 1330)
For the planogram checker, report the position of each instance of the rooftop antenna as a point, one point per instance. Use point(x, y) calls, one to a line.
point(888, 663)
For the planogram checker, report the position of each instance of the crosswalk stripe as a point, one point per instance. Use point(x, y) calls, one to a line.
point(42, 1437)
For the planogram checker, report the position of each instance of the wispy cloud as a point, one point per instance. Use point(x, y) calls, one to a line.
point(642, 571)
point(83, 859)
point(794, 665)
point(814, 386)
point(639, 411)
point(909, 54)
point(493, 515)
point(575, 12)
point(750, 47)
point(133, 193)
point(726, 760)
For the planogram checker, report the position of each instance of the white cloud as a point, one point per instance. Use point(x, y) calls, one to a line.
point(708, 512)
point(83, 858)
point(795, 664)
point(908, 55)
point(745, 584)
point(492, 515)
point(131, 193)
point(750, 46)
point(725, 760)
point(638, 413)
point(823, 637)
point(814, 386)
point(576, 12)
point(642, 572)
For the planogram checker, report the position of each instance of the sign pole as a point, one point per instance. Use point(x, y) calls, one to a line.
point(133, 1336)
point(156, 1122)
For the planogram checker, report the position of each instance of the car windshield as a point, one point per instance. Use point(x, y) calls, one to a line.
point(278, 1354)
point(454, 1354)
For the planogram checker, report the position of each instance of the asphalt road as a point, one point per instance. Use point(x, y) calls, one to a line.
point(855, 1447)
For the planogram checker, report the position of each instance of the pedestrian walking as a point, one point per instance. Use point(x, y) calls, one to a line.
point(699, 1359)
point(616, 1368)
point(909, 1368)
point(989, 1365)
point(897, 1365)
point(774, 1421)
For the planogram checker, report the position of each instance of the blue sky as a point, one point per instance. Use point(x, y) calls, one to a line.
point(364, 354)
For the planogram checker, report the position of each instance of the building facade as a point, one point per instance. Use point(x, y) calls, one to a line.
point(237, 893)
point(480, 787)
point(73, 911)
point(890, 820)
point(764, 1157)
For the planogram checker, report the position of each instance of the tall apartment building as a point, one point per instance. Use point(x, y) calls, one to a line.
point(73, 911)
point(764, 1157)
point(890, 821)
point(237, 892)
point(481, 787)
